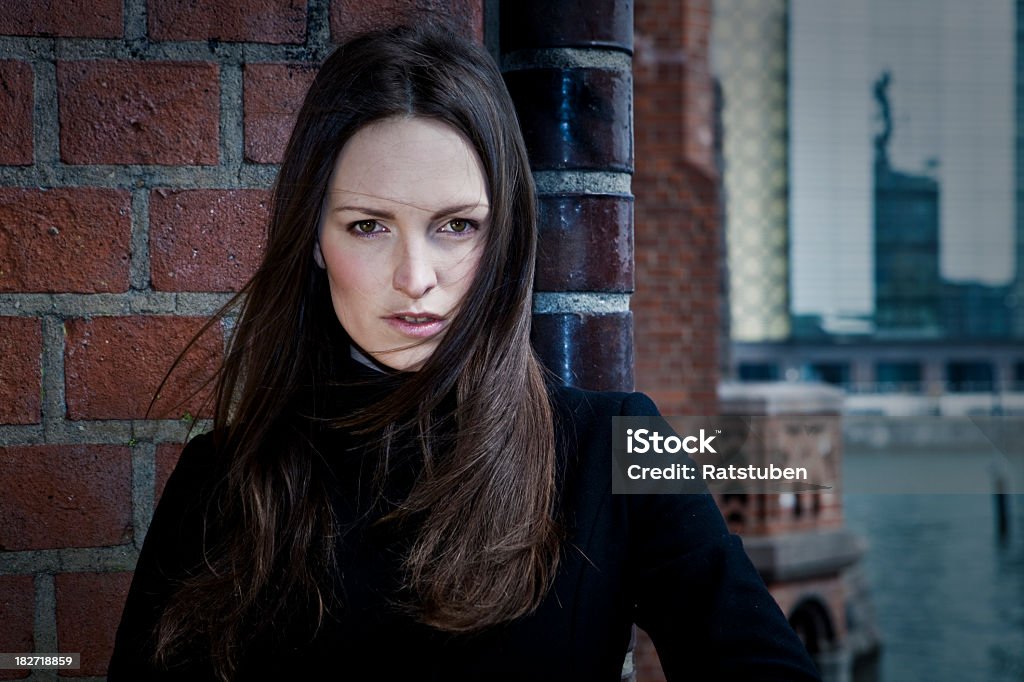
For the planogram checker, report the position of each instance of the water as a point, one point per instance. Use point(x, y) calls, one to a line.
point(948, 596)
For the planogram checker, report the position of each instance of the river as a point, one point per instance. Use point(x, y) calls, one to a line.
point(948, 595)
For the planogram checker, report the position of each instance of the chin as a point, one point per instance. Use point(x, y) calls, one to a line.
point(404, 362)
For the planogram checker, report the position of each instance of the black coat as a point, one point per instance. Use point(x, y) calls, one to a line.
point(664, 562)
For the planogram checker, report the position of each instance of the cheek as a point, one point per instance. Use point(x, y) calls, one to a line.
point(352, 278)
point(463, 271)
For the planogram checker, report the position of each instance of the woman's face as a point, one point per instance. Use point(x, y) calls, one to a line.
point(401, 235)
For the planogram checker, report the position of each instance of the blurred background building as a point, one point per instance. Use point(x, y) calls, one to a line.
point(872, 157)
point(873, 209)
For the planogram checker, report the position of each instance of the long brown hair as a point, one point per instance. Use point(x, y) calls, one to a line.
point(487, 544)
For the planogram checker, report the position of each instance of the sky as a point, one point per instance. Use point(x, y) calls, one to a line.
point(952, 96)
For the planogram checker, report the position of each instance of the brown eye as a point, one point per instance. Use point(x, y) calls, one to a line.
point(365, 226)
point(460, 226)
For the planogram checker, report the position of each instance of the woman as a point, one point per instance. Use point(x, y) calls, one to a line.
point(393, 488)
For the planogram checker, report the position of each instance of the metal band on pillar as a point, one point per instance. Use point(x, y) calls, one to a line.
point(568, 66)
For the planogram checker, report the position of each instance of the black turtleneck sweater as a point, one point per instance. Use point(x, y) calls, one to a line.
point(665, 562)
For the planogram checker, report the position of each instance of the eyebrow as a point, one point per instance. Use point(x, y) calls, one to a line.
point(388, 215)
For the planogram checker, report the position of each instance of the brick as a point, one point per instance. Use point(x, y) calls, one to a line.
point(350, 17)
point(16, 89)
point(167, 455)
point(659, 22)
point(89, 609)
point(263, 21)
point(63, 240)
point(162, 113)
point(93, 19)
point(538, 24)
point(21, 347)
point(17, 604)
point(586, 243)
point(273, 94)
point(676, 304)
point(574, 118)
point(65, 496)
point(206, 240)
point(601, 357)
point(113, 366)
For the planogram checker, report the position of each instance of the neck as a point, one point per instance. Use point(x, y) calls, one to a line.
point(361, 358)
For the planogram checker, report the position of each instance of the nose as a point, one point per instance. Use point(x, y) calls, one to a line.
point(414, 274)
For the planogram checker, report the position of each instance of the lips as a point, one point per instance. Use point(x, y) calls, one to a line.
point(416, 324)
point(417, 318)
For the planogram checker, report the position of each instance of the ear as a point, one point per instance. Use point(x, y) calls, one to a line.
point(318, 255)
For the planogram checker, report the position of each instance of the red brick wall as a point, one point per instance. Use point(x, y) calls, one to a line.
point(676, 304)
point(137, 148)
point(675, 307)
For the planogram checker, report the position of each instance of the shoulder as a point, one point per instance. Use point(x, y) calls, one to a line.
point(583, 422)
point(199, 453)
point(194, 484)
point(200, 461)
point(181, 524)
point(579, 404)
point(174, 547)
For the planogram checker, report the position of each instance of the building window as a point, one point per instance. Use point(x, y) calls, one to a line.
point(970, 376)
point(835, 373)
point(898, 377)
point(758, 371)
